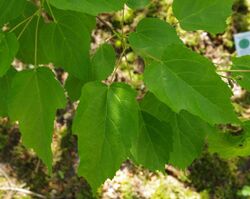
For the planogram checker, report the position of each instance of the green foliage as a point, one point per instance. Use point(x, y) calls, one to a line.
point(67, 44)
point(153, 140)
point(103, 62)
point(185, 129)
point(242, 63)
point(34, 97)
point(151, 38)
point(203, 15)
point(136, 4)
point(5, 84)
point(92, 7)
point(185, 95)
point(106, 122)
point(185, 80)
point(8, 50)
point(7, 8)
point(230, 145)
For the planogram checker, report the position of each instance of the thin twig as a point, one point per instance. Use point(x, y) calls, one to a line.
point(36, 40)
point(5, 175)
point(108, 26)
point(20, 190)
point(117, 66)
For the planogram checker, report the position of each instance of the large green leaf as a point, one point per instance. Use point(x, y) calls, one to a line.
point(153, 144)
point(103, 62)
point(187, 131)
point(203, 15)
point(231, 145)
point(243, 78)
point(10, 9)
point(136, 4)
point(8, 49)
point(151, 38)
point(67, 44)
point(34, 97)
point(92, 7)
point(106, 122)
point(5, 83)
point(185, 80)
point(27, 36)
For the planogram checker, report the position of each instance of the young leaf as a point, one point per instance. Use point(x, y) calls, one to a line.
point(185, 80)
point(153, 144)
point(34, 97)
point(8, 49)
point(203, 15)
point(228, 145)
point(92, 7)
point(137, 4)
point(10, 9)
point(5, 83)
point(187, 131)
point(103, 62)
point(151, 38)
point(242, 63)
point(67, 44)
point(106, 122)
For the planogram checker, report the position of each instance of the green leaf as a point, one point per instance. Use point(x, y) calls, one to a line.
point(103, 62)
point(67, 44)
point(153, 144)
point(73, 86)
point(92, 7)
point(229, 145)
point(151, 38)
point(203, 15)
point(185, 80)
point(27, 35)
point(5, 83)
point(187, 131)
point(8, 49)
point(155, 107)
point(137, 4)
point(34, 97)
point(189, 134)
point(242, 63)
point(102, 65)
point(10, 9)
point(106, 122)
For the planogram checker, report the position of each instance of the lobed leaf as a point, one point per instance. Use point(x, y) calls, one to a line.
point(106, 122)
point(185, 80)
point(187, 131)
point(34, 97)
